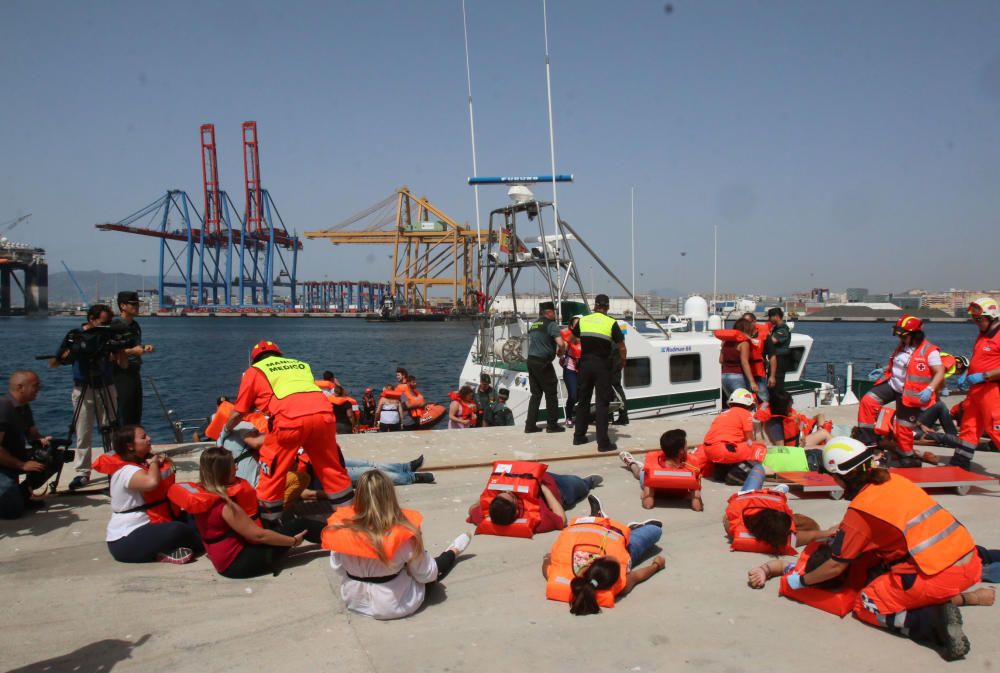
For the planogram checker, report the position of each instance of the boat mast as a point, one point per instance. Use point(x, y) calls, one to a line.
point(633, 255)
point(472, 134)
point(556, 230)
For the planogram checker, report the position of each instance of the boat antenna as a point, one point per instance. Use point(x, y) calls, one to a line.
point(633, 255)
point(715, 266)
point(472, 133)
point(552, 157)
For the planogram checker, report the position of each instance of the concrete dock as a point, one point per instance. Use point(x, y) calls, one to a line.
point(71, 607)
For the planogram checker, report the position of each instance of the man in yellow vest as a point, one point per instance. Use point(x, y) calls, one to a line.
point(599, 335)
point(300, 416)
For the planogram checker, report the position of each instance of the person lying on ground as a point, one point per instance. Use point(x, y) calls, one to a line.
point(235, 542)
point(378, 551)
point(595, 560)
point(673, 448)
point(784, 426)
point(142, 527)
point(559, 492)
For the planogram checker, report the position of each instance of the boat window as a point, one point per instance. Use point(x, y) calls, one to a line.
point(684, 368)
point(795, 358)
point(638, 372)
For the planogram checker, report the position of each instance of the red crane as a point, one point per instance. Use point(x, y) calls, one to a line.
point(251, 173)
point(210, 178)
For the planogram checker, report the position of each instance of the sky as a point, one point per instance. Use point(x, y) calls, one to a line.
point(835, 144)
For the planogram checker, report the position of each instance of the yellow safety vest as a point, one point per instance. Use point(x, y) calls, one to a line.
point(288, 376)
point(597, 325)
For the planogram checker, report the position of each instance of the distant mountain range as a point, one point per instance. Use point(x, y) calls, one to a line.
point(95, 284)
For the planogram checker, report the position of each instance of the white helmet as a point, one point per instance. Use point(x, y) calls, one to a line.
point(843, 454)
point(742, 397)
point(984, 306)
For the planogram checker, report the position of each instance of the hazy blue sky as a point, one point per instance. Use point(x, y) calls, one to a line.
point(834, 144)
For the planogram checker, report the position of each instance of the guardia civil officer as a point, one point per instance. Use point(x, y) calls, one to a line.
point(544, 343)
point(599, 336)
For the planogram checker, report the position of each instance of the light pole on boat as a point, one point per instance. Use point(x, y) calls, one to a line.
point(715, 265)
point(633, 256)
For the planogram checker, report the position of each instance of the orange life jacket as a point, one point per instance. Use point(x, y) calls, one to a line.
point(523, 479)
point(934, 538)
point(885, 422)
point(337, 401)
point(587, 535)
point(790, 427)
point(837, 601)
point(756, 347)
point(347, 541)
point(743, 505)
point(415, 402)
point(575, 350)
point(222, 414)
point(194, 499)
point(325, 385)
point(155, 502)
point(659, 476)
point(918, 375)
point(391, 394)
point(467, 410)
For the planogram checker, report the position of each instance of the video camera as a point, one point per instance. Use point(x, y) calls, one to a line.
point(97, 341)
point(53, 457)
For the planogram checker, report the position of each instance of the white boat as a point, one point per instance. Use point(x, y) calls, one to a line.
point(672, 367)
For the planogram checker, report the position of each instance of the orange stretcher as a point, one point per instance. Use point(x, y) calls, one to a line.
point(944, 476)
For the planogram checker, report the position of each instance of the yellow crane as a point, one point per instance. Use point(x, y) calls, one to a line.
point(429, 249)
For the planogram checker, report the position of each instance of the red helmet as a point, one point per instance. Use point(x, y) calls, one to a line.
point(264, 347)
point(907, 324)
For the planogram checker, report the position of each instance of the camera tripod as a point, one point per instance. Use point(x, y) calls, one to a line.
point(106, 412)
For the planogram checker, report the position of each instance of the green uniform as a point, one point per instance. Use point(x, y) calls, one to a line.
point(542, 339)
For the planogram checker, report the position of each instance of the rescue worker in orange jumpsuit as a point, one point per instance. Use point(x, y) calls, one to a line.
point(300, 416)
point(915, 371)
point(981, 412)
point(729, 442)
point(931, 557)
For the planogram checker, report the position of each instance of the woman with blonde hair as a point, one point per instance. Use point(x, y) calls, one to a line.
point(378, 550)
point(225, 510)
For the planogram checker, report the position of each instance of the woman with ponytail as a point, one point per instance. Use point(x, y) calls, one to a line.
point(592, 561)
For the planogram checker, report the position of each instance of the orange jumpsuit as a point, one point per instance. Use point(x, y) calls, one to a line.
point(728, 441)
point(981, 412)
point(301, 416)
point(932, 557)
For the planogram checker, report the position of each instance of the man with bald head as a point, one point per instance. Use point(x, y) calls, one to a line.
point(17, 429)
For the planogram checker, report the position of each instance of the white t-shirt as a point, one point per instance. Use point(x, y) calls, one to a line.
point(396, 598)
point(125, 498)
point(902, 361)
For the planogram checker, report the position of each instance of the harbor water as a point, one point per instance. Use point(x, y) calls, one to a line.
point(198, 359)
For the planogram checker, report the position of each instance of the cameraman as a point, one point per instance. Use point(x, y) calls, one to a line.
point(84, 348)
point(128, 381)
point(17, 428)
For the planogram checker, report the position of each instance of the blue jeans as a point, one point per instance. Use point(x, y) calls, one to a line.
point(569, 378)
point(641, 541)
point(731, 382)
point(936, 413)
point(11, 497)
point(573, 489)
point(400, 473)
point(762, 389)
point(755, 479)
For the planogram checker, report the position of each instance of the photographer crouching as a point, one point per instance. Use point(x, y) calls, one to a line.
point(17, 430)
point(94, 349)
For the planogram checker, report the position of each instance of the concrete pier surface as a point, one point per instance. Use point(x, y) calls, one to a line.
point(70, 607)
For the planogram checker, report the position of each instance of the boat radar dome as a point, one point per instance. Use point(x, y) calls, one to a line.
point(520, 194)
point(696, 308)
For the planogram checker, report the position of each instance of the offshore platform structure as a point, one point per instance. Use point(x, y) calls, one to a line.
point(29, 262)
point(429, 249)
point(216, 263)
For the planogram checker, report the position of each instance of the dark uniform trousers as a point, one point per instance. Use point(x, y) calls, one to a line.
point(128, 383)
point(594, 377)
point(542, 381)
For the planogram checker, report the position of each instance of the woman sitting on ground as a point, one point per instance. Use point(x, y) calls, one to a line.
point(378, 550)
point(136, 479)
point(237, 546)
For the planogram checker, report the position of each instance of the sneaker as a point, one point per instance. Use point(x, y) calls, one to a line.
point(417, 463)
point(628, 460)
point(930, 458)
point(780, 488)
point(596, 508)
point(647, 522)
point(610, 447)
point(179, 556)
point(423, 477)
point(79, 481)
point(594, 480)
point(460, 543)
point(568, 423)
point(950, 634)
